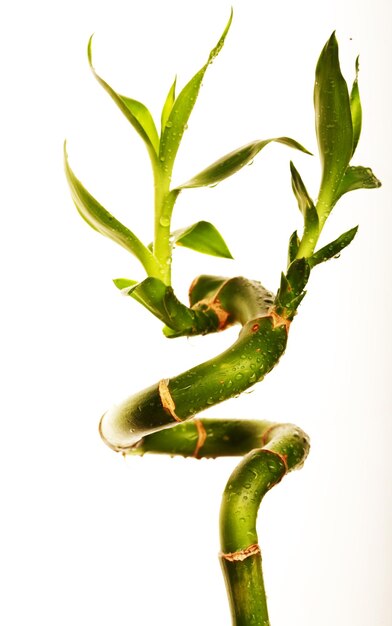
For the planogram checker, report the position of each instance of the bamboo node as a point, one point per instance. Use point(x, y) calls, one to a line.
point(201, 437)
point(167, 400)
point(241, 555)
point(215, 306)
point(278, 320)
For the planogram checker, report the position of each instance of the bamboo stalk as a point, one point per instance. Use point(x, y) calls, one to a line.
point(250, 358)
point(271, 451)
point(285, 449)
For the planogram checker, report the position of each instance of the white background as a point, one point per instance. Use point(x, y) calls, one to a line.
point(89, 538)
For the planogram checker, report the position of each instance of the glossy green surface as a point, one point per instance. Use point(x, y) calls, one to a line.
point(256, 351)
point(222, 438)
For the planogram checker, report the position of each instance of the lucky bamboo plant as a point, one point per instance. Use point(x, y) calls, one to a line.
point(161, 418)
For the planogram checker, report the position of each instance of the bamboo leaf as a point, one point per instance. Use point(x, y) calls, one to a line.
point(124, 284)
point(135, 112)
point(357, 177)
point(334, 248)
point(291, 290)
point(234, 161)
point(334, 126)
point(161, 301)
point(356, 108)
point(300, 191)
point(139, 111)
point(305, 203)
point(167, 107)
point(182, 108)
point(203, 237)
point(101, 220)
point(297, 276)
point(293, 247)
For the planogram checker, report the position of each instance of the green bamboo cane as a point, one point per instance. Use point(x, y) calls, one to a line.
point(159, 418)
point(259, 346)
point(270, 451)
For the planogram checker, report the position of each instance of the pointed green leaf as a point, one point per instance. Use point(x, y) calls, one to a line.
point(150, 293)
point(356, 108)
point(161, 301)
point(283, 290)
point(167, 107)
point(334, 127)
point(140, 112)
point(291, 290)
point(297, 276)
point(300, 191)
point(124, 284)
point(358, 177)
point(101, 220)
point(202, 237)
point(135, 112)
point(294, 304)
point(234, 161)
point(334, 248)
point(182, 108)
point(293, 247)
point(306, 206)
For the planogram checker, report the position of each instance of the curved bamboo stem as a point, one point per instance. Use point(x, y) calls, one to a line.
point(270, 451)
point(257, 350)
point(285, 449)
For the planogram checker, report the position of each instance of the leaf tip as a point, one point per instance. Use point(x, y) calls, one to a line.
point(357, 67)
point(125, 285)
point(215, 51)
point(90, 51)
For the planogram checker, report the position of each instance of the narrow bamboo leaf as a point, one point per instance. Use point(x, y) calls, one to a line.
point(283, 290)
point(334, 248)
point(182, 108)
point(297, 276)
point(357, 177)
point(234, 161)
point(356, 108)
point(144, 117)
point(101, 220)
point(150, 293)
point(135, 112)
point(161, 301)
point(334, 126)
point(124, 284)
point(293, 247)
point(291, 290)
point(167, 107)
point(300, 191)
point(202, 237)
point(294, 304)
point(305, 204)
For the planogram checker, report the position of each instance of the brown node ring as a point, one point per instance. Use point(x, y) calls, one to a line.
point(201, 437)
point(167, 400)
point(216, 307)
point(241, 555)
point(278, 320)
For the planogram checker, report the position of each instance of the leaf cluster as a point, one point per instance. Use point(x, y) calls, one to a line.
point(338, 115)
point(162, 148)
